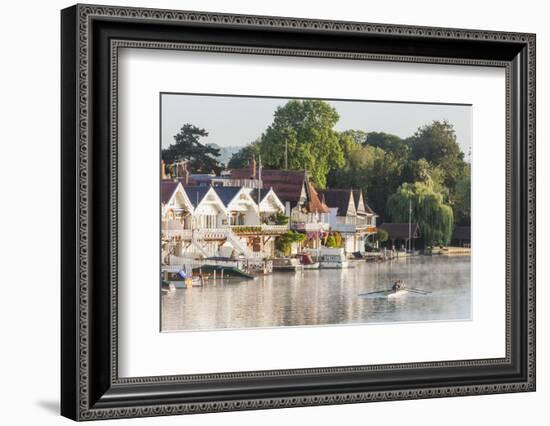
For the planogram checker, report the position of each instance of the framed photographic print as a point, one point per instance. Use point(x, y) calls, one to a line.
point(263, 212)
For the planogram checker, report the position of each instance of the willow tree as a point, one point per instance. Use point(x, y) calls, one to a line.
point(432, 215)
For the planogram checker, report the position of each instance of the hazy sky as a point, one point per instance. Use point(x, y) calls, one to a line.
point(237, 121)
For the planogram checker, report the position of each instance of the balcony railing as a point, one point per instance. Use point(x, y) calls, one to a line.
point(184, 234)
point(310, 227)
point(346, 228)
point(259, 229)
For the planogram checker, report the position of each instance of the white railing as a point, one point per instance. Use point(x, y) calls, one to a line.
point(210, 233)
point(344, 227)
point(274, 228)
point(263, 228)
point(184, 234)
point(310, 227)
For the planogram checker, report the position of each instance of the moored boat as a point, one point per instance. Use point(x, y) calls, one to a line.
point(333, 258)
point(284, 264)
point(221, 271)
point(187, 282)
point(167, 286)
point(314, 265)
point(308, 263)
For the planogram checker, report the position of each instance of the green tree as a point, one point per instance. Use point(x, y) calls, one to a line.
point(201, 158)
point(422, 171)
point(437, 144)
point(371, 169)
point(241, 158)
point(382, 235)
point(390, 143)
point(334, 240)
point(428, 210)
point(302, 135)
point(352, 173)
point(330, 242)
point(281, 219)
point(284, 242)
point(358, 136)
point(462, 200)
point(383, 176)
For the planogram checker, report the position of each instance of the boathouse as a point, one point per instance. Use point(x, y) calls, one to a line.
point(398, 233)
point(349, 217)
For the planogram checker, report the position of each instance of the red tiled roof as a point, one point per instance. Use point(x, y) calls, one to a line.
point(287, 184)
point(315, 204)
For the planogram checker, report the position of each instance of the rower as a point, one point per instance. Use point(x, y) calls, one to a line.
point(398, 285)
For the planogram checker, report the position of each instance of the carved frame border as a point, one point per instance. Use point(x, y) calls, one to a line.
point(87, 12)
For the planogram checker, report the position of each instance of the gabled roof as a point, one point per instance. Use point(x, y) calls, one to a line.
point(167, 189)
point(357, 195)
point(196, 193)
point(287, 185)
point(339, 198)
point(400, 231)
point(315, 205)
point(358, 198)
point(263, 193)
point(227, 193)
point(369, 210)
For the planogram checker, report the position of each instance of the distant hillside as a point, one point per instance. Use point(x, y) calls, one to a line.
point(226, 152)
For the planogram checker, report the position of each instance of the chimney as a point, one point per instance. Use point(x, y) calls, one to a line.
point(253, 168)
point(162, 170)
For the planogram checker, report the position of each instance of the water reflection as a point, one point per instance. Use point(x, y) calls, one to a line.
point(325, 297)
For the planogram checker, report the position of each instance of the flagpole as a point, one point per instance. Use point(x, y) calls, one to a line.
point(259, 184)
point(286, 154)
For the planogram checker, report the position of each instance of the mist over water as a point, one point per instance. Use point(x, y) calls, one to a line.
point(326, 296)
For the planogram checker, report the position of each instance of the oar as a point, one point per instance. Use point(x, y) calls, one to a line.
point(374, 292)
point(415, 290)
point(419, 289)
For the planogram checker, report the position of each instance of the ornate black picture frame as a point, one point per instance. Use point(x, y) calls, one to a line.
point(91, 388)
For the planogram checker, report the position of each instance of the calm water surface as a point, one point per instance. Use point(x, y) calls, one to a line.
point(325, 296)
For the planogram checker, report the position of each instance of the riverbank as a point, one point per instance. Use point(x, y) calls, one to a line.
point(396, 254)
point(452, 251)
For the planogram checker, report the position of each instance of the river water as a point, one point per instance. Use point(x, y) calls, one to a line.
point(326, 296)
